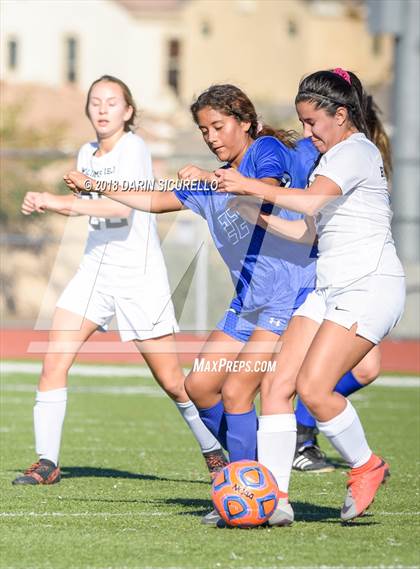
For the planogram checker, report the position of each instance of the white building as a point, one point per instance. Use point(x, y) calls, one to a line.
point(57, 42)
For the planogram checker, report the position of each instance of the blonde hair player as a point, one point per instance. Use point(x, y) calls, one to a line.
point(360, 290)
point(122, 274)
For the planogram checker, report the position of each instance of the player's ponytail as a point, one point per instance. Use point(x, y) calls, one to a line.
point(128, 97)
point(232, 101)
point(376, 131)
point(336, 88)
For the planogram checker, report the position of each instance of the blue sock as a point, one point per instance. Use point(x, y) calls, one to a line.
point(215, 420)
point(347, 385)
point(242, 435)
point(303, 417)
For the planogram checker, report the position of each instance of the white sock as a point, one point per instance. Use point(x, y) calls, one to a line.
point(49, 413)
point(276, 446)
point(204, 437)
point(346, 434)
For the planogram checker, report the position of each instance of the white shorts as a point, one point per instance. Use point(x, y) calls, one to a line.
point(375, 303)
point(140, 314)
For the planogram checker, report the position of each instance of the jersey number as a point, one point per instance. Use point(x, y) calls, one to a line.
point(95, 222)
point(235, 227)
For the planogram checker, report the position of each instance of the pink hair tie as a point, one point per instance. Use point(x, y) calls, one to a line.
point(342, 73)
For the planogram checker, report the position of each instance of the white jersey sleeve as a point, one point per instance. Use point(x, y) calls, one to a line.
point(349, 166)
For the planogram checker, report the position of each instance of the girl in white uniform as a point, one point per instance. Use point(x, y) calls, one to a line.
point(360, 291)
point(122, 274)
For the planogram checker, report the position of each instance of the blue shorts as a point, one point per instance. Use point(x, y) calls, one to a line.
point(273, 318)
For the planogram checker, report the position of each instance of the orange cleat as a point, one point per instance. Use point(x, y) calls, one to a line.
point(42, 472)
point(362, 485)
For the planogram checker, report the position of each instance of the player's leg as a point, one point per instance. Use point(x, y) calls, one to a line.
point(237, 446)
point(308, 456)
point(277, 424)
point(366, 371)
point(68, 332)
point(334, 350)
point(205, 381)
point(162, 358)
point(239, 391)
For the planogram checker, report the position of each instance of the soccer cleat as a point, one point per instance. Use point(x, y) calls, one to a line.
point(212, 519)
point(215, 461)
point(283, 515)
point(362, 485)
point(42, 472)
point(310, 458)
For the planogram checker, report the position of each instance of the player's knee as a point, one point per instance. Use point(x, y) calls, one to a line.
point(195, 387)
point(278, 389)
point(173, 386)
point(365, 373)
point(309, 392)
point(53, 375)
point(236, 399)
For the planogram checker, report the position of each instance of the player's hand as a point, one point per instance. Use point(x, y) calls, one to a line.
point(232, 182)
point(248, 208)
point(78, 182)
point(191, 172)
point(30, 203)
point(40, 202)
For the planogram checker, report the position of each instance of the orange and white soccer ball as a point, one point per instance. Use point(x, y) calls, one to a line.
point(245, 493)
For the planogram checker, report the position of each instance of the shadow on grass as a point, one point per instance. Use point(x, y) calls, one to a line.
point(304, 512)
point(97, 472)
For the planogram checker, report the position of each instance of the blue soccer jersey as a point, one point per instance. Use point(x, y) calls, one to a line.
point(267, 271)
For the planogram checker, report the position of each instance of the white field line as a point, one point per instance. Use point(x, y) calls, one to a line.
point(77, 514)
point(144, 372)
point(226, 564)
point(150, 391)
point(140, 514)
point(34, 368)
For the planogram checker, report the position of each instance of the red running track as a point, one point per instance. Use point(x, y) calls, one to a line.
point(400, 356)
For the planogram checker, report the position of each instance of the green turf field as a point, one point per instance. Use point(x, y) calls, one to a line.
point(134, 489)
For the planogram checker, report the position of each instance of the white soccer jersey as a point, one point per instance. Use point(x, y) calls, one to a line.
point(125, 253)
point(354, 230)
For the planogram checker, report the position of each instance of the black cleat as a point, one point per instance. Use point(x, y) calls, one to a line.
point(310, 458)
point(42, 472)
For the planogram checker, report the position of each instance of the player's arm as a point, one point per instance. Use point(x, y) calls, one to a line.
point(150, 201)
point(41, 202)
point(309, 201)
point(300, 230)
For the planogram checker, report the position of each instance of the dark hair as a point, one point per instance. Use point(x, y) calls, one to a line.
point(329, 90)
point(232, 101)
point(128, 97)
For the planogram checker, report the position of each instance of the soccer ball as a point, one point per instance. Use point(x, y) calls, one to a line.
point(245, 493)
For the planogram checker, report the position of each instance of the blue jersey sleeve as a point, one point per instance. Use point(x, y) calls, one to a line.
point(271, 159)
point(194, 200)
